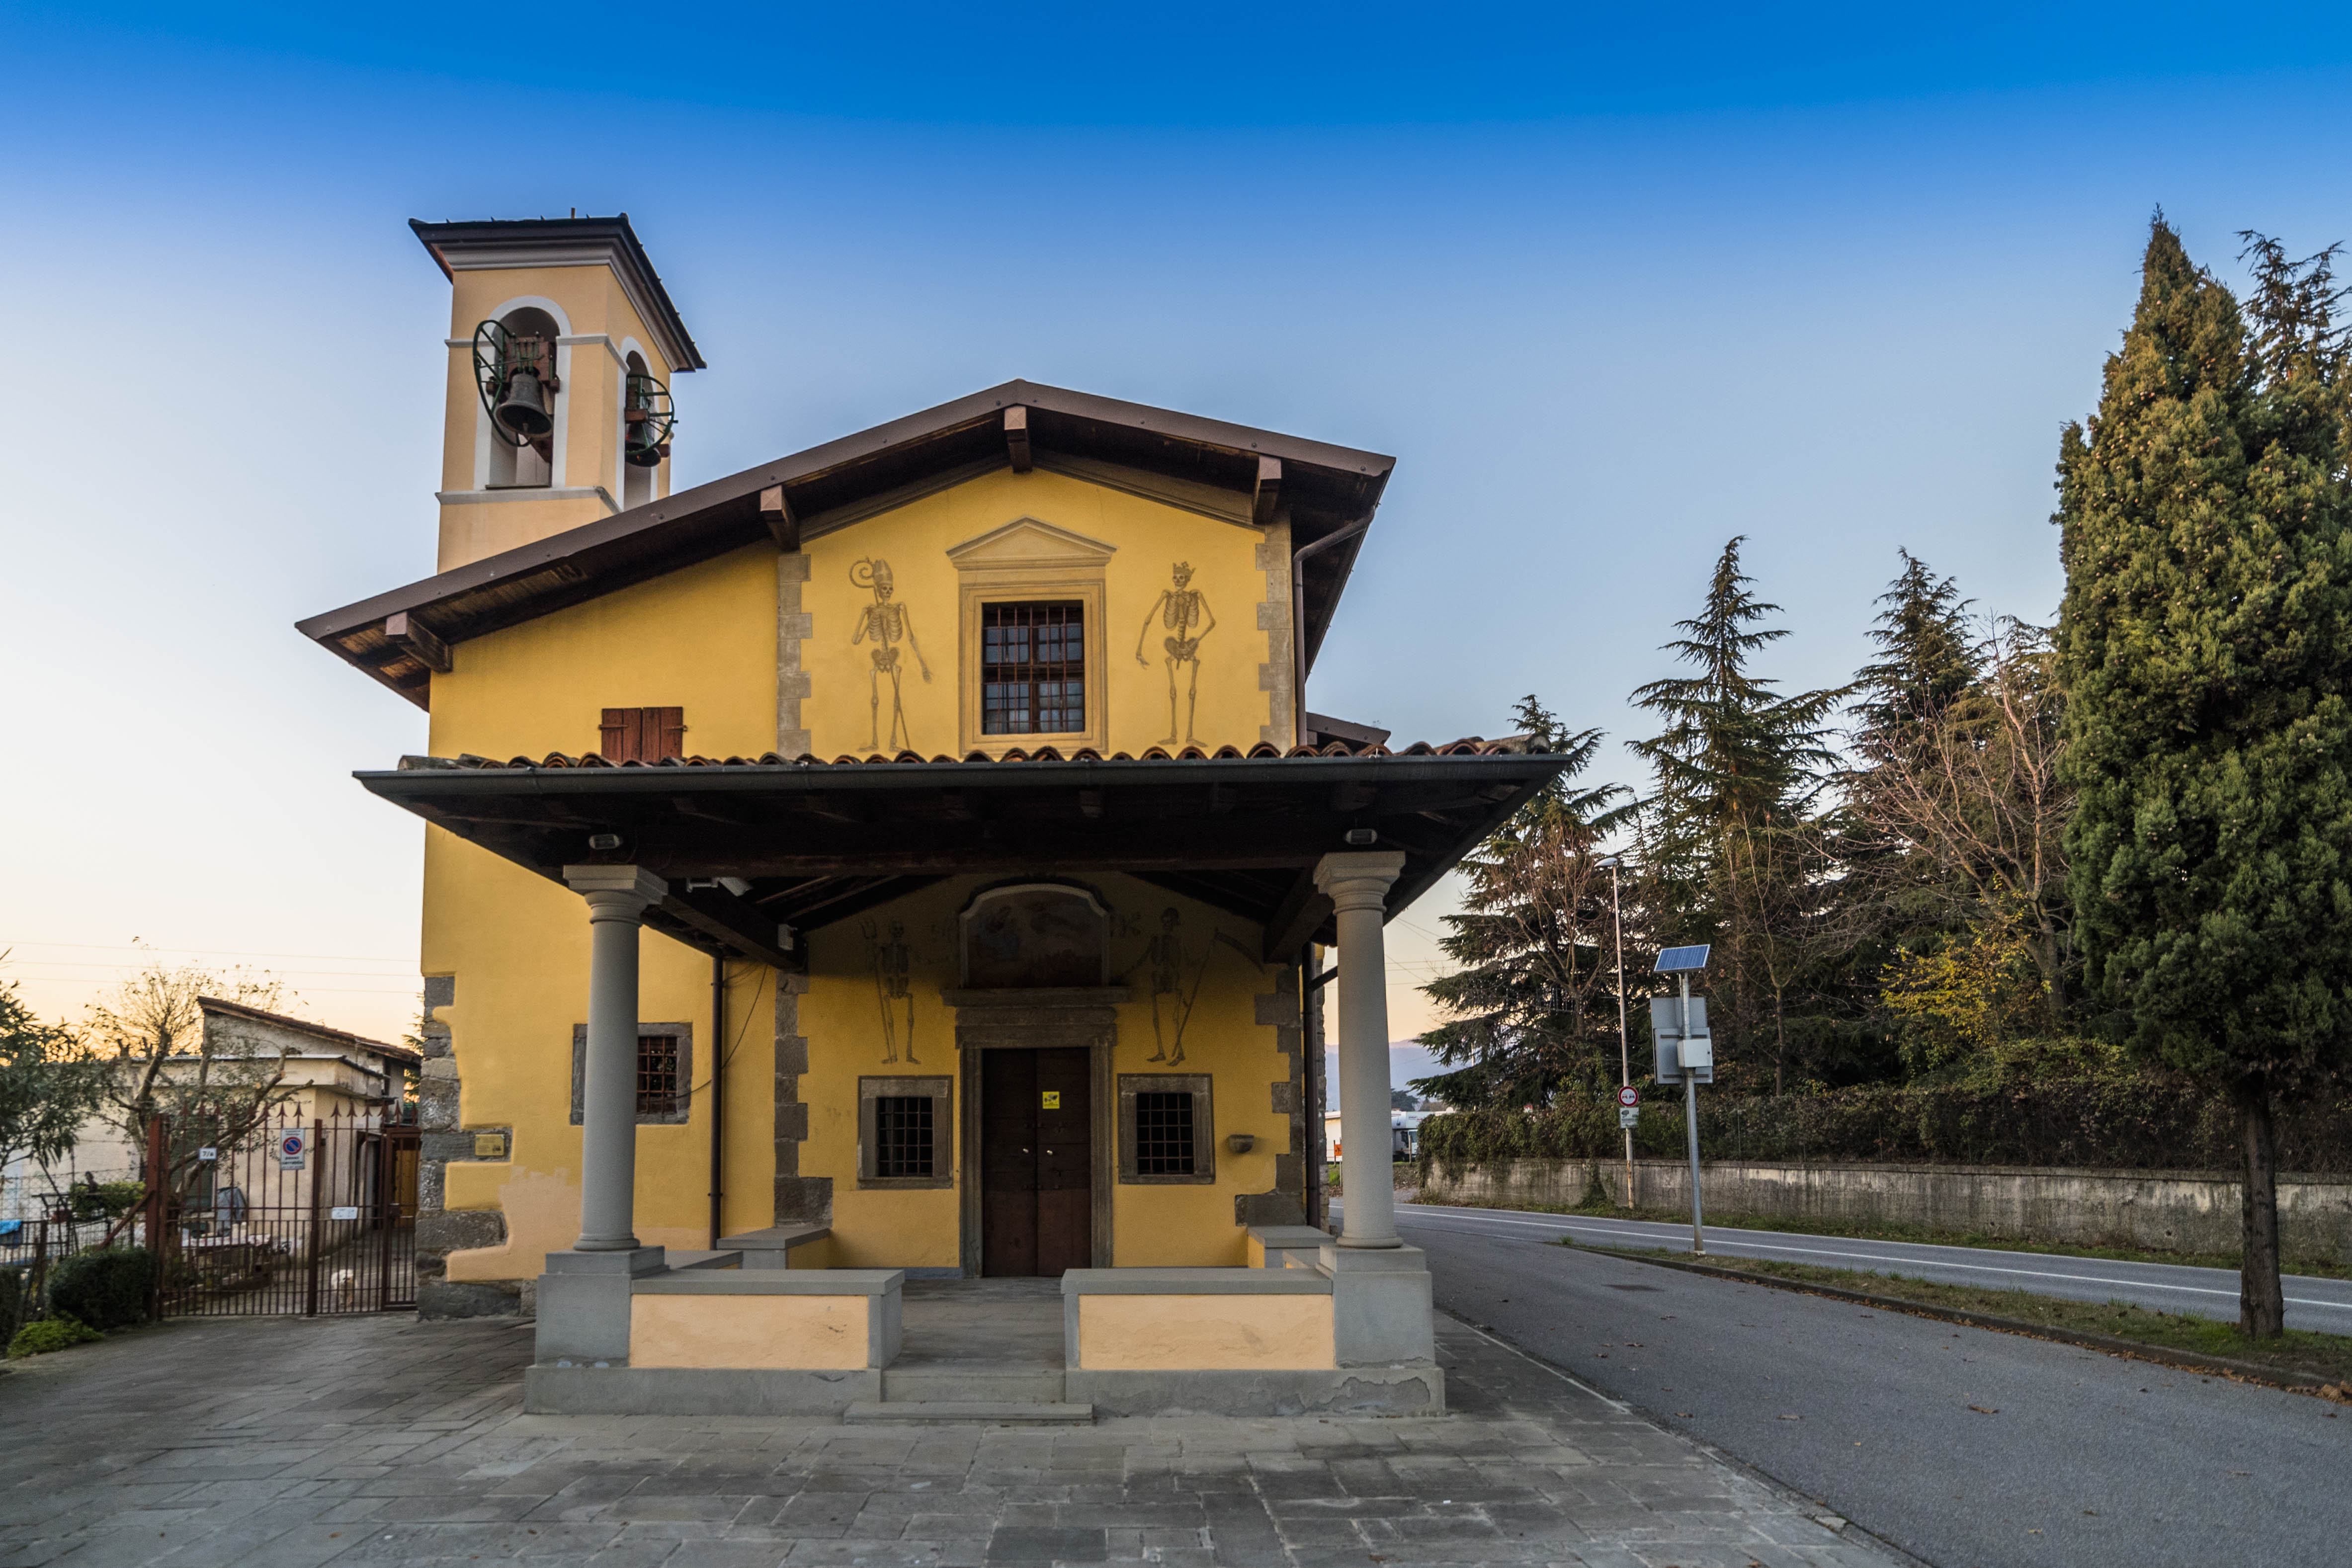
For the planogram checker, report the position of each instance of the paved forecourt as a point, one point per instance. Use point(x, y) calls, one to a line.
point(280, 1442)
point(2313, 1302)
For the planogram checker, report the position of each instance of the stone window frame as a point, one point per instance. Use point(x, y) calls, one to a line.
point(1204, 1129)
point(1050, 563)
point(677, 1118)
point(939, 1089)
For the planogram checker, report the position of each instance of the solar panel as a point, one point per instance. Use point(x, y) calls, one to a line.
point(1682, 961)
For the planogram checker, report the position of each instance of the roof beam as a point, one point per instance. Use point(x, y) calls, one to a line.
point(416, 639)
point(733, 922)
point(1269, 492)
point(1017, 437)
point(1301, 913)
point(784, 524)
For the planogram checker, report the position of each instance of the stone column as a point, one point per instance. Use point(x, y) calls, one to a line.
point(1358, 886)
point(617, 897)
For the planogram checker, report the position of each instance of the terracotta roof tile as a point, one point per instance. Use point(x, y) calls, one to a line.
point(1470, 746)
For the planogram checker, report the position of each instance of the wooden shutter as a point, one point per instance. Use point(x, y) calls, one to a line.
point(642, 734)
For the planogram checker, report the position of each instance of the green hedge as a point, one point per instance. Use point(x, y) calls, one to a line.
point(106, 1289)
point(2120, 1122)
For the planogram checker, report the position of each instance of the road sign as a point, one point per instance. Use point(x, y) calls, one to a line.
point(1629, 1116)
point(291, 1149)
point(1629, 1097)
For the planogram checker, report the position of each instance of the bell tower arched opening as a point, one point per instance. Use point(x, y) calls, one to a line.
point(515, 365)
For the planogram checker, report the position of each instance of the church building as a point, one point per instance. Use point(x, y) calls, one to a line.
point(901, 875)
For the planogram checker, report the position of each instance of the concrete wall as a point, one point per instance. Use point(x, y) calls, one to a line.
point(2187, 1211)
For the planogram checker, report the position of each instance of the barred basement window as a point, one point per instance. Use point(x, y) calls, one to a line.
point(661, 1089)
point(905, 1135)
point(1032, 669)
point(902, 1135)
point(1166, 1132)
point(665, 1083)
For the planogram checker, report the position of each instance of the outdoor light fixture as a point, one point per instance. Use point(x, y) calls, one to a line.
point(1363, 838)
point(1629, 1104)
point(604, 840)
point(1677, 1029)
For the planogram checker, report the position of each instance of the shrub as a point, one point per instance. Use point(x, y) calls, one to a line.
point(106, 1289)
point(12, 1299)
point(107, 1200)
point(48, 1334)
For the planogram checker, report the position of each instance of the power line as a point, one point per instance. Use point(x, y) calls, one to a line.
point(6, 944)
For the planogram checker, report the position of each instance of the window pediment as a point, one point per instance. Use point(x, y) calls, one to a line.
point(1027, 544)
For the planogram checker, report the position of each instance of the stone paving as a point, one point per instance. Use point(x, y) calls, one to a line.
point(280, 1443)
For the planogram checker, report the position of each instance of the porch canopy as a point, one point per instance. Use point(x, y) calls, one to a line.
point(820, 842)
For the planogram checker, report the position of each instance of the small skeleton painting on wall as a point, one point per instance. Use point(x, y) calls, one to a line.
point(885, 624)
point(1183, 611)
point(892, 986)
point(1035, 937)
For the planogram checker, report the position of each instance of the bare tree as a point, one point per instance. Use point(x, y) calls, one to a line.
point(1973, 789)
point(149, 1031)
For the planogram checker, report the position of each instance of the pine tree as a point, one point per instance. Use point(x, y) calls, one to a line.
point(1737, 767)
point(2203, 641)
point(1532, 1009)
point(1927, 658)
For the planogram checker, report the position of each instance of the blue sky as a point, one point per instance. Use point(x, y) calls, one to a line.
point(1612, 287)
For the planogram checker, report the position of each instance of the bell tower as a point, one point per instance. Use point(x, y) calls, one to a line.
point(562, 345)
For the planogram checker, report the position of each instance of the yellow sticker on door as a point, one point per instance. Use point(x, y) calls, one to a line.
point(1051, 1099)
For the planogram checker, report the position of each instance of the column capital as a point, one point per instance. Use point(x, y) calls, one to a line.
point(633, 882)
point(1361, 879)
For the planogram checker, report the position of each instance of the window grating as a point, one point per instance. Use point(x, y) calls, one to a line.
point(1032, 669)
point(1164, 1134)
point(659, 1093)
point(902, 1135)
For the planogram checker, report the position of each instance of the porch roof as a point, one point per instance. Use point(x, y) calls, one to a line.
point(820, 842)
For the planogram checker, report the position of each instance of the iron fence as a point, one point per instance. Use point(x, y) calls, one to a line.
point(309, 1216)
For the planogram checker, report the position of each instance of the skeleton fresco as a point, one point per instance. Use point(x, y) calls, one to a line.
point(1179, 609)
point(1166, 958)
point(885, 624)
point(892, 989)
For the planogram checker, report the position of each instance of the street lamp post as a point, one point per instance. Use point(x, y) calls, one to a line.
point(1624, 1051)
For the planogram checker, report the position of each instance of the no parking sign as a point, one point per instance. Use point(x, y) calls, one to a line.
point(292, 1148)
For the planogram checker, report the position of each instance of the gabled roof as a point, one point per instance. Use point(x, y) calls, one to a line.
point(1231, 472)
point(218, 1008)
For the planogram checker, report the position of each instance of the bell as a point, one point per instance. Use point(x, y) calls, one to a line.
point(644, 451)
point(522, 414)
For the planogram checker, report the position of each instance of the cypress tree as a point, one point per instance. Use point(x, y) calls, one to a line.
point(2204, 641)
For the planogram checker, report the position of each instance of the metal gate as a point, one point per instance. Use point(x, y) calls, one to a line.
point(309, 1216)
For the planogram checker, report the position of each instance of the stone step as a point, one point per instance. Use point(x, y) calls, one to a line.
point(972, 1412)
point(969, 1382)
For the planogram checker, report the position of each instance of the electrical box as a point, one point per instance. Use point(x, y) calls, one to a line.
point(1676, 1055)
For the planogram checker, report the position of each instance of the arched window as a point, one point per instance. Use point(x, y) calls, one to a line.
point(646, 423)
point(515, 365)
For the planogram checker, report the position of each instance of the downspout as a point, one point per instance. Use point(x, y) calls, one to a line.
point(1298, 617)
point(718, 1094)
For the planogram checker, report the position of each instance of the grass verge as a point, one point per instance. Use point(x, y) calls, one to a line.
point(1924, 1235)
point(2300, 1358)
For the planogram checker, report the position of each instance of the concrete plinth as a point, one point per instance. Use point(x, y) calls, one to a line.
point(1349, 1391)
point(696, 1391)
point(1380, 1304)
point(584, 1304)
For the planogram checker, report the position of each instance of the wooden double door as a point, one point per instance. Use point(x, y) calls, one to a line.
point(1036, 1160)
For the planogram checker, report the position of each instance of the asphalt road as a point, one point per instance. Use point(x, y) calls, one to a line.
point(2311, 1302)
point(1965, 1448)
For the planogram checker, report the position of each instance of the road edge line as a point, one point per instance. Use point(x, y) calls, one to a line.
point(2130, 1349)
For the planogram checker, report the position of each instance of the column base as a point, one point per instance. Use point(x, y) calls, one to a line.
point(1380, 1306)
point(584, 1304)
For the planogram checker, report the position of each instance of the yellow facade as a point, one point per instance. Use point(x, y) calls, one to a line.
point(706, 639)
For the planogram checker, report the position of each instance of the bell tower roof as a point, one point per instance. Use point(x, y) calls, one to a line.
point(503, 243)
